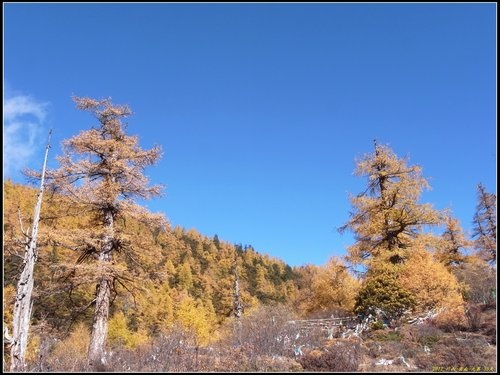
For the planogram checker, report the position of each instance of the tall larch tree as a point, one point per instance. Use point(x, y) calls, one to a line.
point(387, 217)
point(485, 225)
point(388, 223)
point(101, 176)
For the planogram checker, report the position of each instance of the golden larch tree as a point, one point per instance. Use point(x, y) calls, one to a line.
point(387, 216)
point(448, 250)
point(389, 226)
point(334, 288)
point(101, 176)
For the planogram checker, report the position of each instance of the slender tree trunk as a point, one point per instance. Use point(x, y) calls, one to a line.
point(23, 303)
point(238, 307)
point(102, 301)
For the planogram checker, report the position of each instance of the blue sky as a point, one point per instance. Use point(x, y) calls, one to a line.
point(261, 109)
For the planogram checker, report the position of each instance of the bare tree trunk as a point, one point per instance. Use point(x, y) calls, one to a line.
point(238, 307)
point(23, 303)
point(103, 292)
point(100, 324)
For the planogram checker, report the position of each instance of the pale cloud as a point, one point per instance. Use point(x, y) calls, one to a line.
point(23, 119)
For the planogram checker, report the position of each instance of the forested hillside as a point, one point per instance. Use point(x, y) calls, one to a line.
point(179, 272)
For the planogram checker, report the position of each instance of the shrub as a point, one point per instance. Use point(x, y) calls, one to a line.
point(452, 353)
point(70, 354)
point(384, 292)
point(267, 332)
point(422, 334)
point(451, 320)
point(390, 336)
point(376, 325)
point(340, 357)
point(473, 315)
point(478, 279)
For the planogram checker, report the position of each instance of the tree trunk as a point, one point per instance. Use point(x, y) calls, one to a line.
point(100, 324)
point(95, 356)
point(22, 311)
point(23, 303)
point(237, 307)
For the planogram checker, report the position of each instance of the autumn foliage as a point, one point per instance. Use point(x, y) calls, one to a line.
point(391, 242)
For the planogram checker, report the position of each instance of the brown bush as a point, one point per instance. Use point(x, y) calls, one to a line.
point(385, 349)
point(473, 314)
point(480, 281)
point(452, 353)
point(269, 331)
point(69, 354)
point(422, 334)
point(343, 356)
point(489, 323)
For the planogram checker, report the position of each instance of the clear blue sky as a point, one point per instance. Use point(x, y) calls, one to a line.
point(261, 109)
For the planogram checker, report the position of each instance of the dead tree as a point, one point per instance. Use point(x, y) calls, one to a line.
point(237, 306)
point(23, 303)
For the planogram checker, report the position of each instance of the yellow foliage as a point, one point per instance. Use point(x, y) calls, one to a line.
point(9, 293)
point(387, 214)
point(185, 276)
point(154, 308)
point(478, 279)
point(334, 287)
point(447, 248)
point(154, 267)
point(74, 346)
point(198, 318)
point(169, 270)
point(264, 288)
point(33, 348)
point(120, 334)
point(434, 287)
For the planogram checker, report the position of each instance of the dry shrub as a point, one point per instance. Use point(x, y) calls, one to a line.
point(451, 320)
point(385, 349)
point(235, 359)
point(266, 330)
point(174, 351)
point(272, 331)
point(70, 354)
point(478, 281)
point(386, 335)
point(473, 314)
point(489, 324)
point(422, 334)
point(277, 363)
point(343, 356)
point(456, 353)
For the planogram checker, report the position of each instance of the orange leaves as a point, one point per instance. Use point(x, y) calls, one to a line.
point(387, 214)
point(334, 287)
point(101, 108)
point(432, 284)
point(104, 160)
